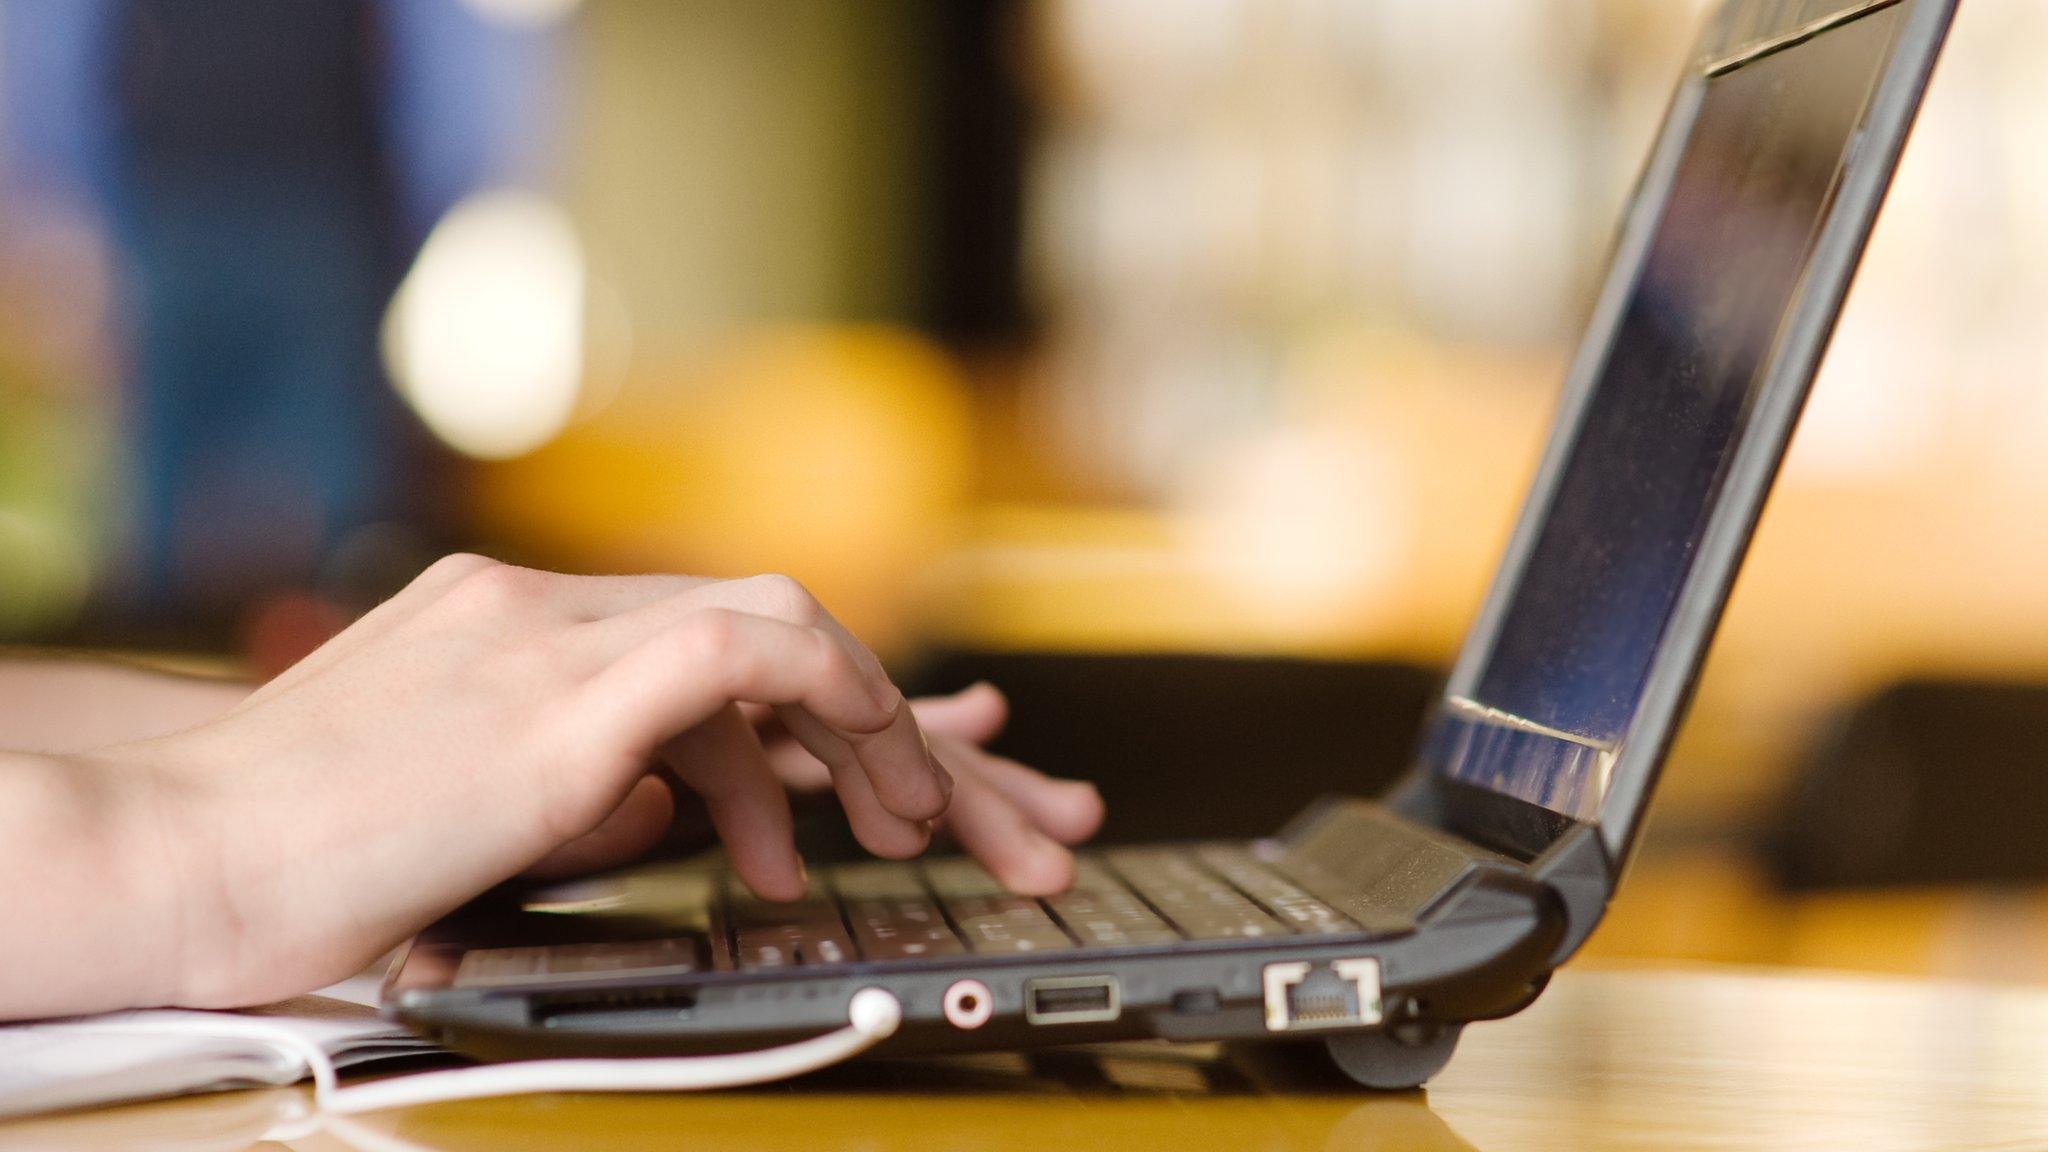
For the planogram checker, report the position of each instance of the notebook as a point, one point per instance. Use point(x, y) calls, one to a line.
point(48, 1066)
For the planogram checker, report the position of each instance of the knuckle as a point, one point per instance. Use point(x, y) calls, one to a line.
point(494, 588)
point(453, 567)
point(709, 639)
point(834, 664)
point(828, 652)
point(786, 598)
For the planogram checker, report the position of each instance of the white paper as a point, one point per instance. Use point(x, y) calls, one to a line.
point(50, 1065)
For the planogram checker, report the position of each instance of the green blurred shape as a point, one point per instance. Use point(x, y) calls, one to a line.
point(55, 472)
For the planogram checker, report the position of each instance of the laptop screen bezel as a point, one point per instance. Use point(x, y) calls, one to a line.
point(1732, 39)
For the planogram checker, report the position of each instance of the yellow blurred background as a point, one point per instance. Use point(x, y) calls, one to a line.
point(1208, 327)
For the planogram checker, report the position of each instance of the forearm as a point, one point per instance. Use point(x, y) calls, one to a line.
point(92, 913)
point(70, 705)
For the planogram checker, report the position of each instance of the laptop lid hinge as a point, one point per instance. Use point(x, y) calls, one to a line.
point(1577, 869)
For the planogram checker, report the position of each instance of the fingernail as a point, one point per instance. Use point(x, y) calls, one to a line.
point(939, 773)
point(887, 696)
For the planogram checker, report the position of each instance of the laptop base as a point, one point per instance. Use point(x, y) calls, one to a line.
point(1436, 933)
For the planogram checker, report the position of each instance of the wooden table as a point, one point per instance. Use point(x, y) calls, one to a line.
point(1608, 1059)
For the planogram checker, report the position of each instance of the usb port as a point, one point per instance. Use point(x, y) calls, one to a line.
point(1071, 1000)
point(1340, 994)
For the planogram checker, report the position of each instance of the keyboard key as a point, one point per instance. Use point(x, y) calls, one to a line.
point(743, 909)
point(877, 880)
point(882, 910)
point(901, 929)
point(1114, 931)
point(1006, 924)
point(953, 879)
point(1102, 913)
point(1286, 899)
point(757, 951)
point(1200, 905)
point(793, 947)
point(783, 934)
point(1090, 874)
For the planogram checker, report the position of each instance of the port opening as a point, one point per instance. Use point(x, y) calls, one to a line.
point(553, 1009)
point(1071, 1000)
point(1340, 994)
point(969, 1004)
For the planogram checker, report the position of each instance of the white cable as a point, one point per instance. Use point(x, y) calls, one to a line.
point(873, 1016)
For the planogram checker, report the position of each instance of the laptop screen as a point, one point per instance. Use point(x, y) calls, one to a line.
point(1541, 713)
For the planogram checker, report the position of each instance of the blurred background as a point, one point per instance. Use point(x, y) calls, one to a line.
point(1176, 363)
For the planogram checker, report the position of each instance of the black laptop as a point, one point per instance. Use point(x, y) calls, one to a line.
point(1378, 927)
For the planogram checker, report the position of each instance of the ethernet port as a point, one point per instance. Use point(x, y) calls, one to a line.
point(1301, 995)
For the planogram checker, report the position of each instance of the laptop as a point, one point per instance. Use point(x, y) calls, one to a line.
point(1377, 927)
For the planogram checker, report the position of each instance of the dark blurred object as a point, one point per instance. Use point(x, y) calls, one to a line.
point(1927, 782)
point(248, 82)
point(981, 133)
point(1202, 746)
point(250, 196)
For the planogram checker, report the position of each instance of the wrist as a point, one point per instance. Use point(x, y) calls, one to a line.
point(160, 862)
point(106, 927)
point(165, 856)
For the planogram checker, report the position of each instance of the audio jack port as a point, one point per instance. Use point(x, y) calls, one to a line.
point(969, 1004)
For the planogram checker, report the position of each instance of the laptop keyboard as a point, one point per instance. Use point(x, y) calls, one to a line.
point(1121, 898)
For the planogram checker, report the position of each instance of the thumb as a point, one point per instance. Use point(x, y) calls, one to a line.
point(628, 833)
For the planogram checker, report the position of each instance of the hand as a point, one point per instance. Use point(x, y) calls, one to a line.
point(1016, 820)
point(490, 719)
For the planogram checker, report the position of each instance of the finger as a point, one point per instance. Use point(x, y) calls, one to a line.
point(674, 682)
point(1069, 811)
point(794, 765)
point(881, 830)
point(771, 596)
point(996, 832)
point(721, 761)
point(629, 832)
point(975, 714)
point(901, 771)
